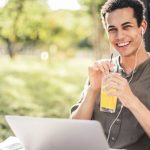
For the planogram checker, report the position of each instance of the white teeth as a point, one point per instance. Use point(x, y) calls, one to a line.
point(123, 44)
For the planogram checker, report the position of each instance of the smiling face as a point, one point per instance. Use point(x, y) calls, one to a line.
point(123, 32)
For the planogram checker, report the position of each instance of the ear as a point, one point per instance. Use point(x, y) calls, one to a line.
point(143, 26)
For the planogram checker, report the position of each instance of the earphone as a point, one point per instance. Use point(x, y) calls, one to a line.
point(143, 31)
point(109, 131)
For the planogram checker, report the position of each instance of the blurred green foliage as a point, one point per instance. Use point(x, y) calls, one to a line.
point(32, 87)
point(28, 24)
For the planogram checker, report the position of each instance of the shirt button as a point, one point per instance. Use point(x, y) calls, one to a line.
point(113, 138)
point(118, 120)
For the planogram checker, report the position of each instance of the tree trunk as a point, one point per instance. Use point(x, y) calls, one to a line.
point(96, 31)
point(147, 34)
point(10, 49)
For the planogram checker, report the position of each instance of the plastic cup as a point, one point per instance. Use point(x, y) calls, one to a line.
point(107, 103)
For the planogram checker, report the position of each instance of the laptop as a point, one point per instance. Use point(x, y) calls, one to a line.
point(58, 134)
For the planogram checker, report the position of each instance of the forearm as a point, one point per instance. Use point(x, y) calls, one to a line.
point(85, 109)
point(142, 114)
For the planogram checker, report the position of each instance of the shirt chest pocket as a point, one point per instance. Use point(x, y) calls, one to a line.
point(141, 89)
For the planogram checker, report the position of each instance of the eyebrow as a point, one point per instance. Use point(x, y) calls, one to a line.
point(126, 23)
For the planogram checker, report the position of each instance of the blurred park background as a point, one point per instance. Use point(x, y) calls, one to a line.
point(45, 49)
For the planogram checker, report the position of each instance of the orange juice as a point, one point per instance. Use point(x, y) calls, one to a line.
point(107, 103)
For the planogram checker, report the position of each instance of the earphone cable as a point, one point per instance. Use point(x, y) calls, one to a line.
point(109, 131)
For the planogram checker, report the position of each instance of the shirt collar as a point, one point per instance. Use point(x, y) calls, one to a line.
point(122, 71)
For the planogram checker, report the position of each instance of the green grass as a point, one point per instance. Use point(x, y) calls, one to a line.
point(29, 86)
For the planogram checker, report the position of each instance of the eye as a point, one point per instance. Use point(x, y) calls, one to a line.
point(112, 30)
point(126, 27)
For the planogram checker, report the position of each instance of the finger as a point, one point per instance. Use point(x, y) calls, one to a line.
point(116, 77)
point(112, 74)
point(120, 80)
point(114, 85)
point(112, 67)
point(92, 71)
point(114, 90)
point(93, 68)
point(101, 69)
point(104, 66)
point(112, 93)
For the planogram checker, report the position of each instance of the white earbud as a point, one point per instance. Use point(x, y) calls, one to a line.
point(143, 31)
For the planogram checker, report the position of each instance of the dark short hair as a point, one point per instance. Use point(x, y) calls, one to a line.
point(137, 6)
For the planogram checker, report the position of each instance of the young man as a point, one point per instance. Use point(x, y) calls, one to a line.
point(125, 25)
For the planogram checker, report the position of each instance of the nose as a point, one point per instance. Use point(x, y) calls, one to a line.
point(120, 35)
